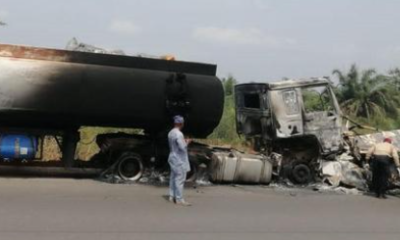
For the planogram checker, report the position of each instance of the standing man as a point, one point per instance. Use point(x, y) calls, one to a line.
point(179, 162)
point(383, 153)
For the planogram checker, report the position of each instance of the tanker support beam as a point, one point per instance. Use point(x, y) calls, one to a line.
point(68, 147)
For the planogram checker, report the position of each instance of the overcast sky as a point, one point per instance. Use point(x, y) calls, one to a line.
point(254, 40)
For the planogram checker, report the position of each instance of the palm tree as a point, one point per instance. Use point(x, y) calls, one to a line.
point(366, 94)
point(395, 78)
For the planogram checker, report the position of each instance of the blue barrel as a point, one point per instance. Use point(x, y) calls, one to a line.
point(18, 147)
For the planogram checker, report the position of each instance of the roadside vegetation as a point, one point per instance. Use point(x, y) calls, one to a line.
point(370, 97)
point(226, 131)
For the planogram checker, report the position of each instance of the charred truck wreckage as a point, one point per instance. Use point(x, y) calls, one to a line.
point(48, 92)
point(295, 126)
point(300, 120)
point(298, 126)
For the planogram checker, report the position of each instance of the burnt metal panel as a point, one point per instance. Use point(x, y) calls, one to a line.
point(326, 125)
point(289, 117)
point(252, 110)
point(287, 112)
point(56, 55)
point(313, 82)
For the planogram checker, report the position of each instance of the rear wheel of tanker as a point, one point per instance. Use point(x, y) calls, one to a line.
point(130, 167)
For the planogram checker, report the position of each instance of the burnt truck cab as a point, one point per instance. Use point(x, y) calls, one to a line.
point(299, 119)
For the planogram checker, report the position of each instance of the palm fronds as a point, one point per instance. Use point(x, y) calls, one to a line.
point(367, 94)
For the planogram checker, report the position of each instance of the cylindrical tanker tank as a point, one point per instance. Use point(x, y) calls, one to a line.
point(57, 89)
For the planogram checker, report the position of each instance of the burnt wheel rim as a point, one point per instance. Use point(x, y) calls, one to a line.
point(130, 169)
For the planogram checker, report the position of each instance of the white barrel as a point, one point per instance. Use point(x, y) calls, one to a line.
point(236, 167)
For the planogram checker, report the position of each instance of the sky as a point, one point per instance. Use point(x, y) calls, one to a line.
point(253, 40)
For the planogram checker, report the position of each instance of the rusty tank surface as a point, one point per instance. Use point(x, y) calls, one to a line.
point(58, 89)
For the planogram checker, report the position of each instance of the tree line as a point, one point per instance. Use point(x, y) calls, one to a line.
point(366, 96)
point(370, 97)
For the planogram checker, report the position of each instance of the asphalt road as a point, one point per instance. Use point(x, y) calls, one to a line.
point(87, 209)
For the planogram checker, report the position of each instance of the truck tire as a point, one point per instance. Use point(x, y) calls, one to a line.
point(301, 173)
point(130, 167)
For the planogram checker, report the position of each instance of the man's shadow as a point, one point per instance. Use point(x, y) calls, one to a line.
point(166, 197)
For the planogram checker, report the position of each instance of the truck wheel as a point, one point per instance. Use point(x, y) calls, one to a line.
point(301, 174)
point(130, 167)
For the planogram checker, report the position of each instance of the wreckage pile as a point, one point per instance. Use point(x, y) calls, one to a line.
point(75, 45)
point(346, 174)
point(349, 169)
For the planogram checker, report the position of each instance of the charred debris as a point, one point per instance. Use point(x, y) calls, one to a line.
point(299, 126)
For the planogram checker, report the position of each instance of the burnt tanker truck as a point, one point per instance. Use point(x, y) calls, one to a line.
point(49, 92)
